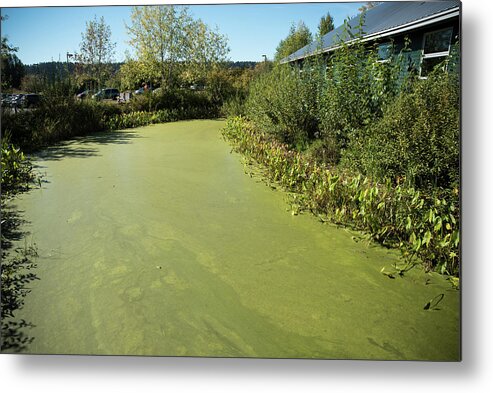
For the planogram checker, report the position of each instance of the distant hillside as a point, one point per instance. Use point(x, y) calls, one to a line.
point(56, 69)
point(243, 64)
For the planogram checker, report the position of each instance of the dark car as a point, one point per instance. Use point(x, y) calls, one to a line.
point(30, 100)
point(107, 94)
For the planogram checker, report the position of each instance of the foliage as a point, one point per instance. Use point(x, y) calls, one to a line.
point(182, 100)
point(325, 25)
point(16, 275)
point(284, 102)
point(417, 139)
point(167, 40)
point(60, 116)
point(423, 226)
point(12, 67)
point(357, 89)
point(53, 121)
point(298, 37)
point(16, 177)
point(234, 106)
point(139, 119)
point(32, 83)
point(208, 53)
point(133, 73)
point(16, 169)
point(96, 50)
point(326, 99)
point(159, 36)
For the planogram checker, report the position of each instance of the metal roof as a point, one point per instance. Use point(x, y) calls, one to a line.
point(385, 19)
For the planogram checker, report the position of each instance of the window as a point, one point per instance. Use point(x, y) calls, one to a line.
point(436, 48)
point(385, 51)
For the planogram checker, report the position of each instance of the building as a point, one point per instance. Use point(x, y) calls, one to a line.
point(430, 27)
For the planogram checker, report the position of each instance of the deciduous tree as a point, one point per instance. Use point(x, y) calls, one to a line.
point(96, 50)
point(12, 67)
point(167, 38)
point(160, 36)
point(298, 37)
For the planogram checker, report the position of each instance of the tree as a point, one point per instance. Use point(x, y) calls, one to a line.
point(298, 37)
point(326, 24)
point(133, 73)
point(208, 50)
point(12, 67)
point(159, 34)
point(96, 50)
point(168, 40)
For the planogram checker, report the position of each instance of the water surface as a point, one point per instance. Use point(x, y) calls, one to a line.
point(154, 241)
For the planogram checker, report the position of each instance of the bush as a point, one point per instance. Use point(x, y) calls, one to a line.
point(357, 88)
point(235, 106)
point(194, 103)
point(284, 103)
point(416, 139)
point(139, 119)
point(16, 169)
point(53, 121)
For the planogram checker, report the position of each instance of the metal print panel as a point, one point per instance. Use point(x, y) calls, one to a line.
point(235, 180)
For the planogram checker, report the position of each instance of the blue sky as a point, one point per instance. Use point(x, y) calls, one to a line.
point(48, 33)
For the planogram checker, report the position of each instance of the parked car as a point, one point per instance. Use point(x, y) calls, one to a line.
point(30, 100)
point(83, 95)
point(142, 90)
point(15, 101)
point(106, 94)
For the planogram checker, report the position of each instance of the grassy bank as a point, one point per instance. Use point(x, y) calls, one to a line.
point(423, 225)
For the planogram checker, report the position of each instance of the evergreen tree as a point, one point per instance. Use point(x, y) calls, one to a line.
point(326, 24)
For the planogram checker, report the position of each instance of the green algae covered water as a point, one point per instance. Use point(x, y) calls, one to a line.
point(153, 241)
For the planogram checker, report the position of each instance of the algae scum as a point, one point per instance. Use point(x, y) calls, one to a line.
point(154, 242)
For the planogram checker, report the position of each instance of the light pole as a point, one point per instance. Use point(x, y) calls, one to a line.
point(265, 58)
point(69, 55)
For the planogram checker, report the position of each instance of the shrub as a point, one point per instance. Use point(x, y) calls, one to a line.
point(16, 169)
point(234, 106)
point(139, 119)
point(416, 139)
point(195, 103)
point(284, 103)
point(53, 121)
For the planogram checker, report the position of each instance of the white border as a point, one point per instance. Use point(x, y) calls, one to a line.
point(105, 374)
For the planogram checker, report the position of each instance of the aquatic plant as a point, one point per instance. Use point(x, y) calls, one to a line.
point(423, 225)
point(16, 268)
